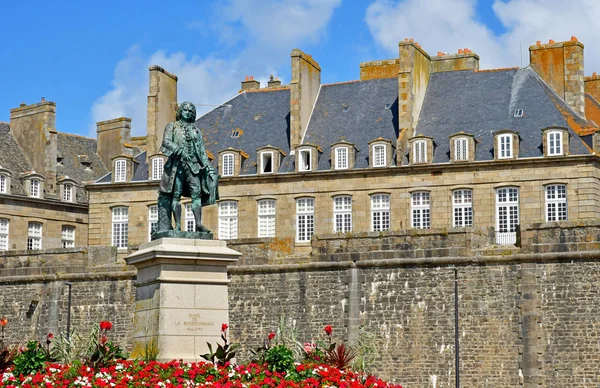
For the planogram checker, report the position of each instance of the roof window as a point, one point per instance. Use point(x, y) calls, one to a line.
point(345, 108)
point(518, 112)
point(388, 106)
point(235, 133)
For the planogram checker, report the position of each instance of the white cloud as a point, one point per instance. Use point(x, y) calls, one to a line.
point(270, 29)
point(446, 25)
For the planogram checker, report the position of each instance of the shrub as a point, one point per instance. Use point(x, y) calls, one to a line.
point(102, 352)
point(224, 353)
point(280, 359)
point(32, 359)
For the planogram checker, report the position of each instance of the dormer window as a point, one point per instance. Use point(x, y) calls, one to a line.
point(305, 158)
point(120, 170)
point(505, 146)
point(67, 192)
point(419, 151)
point(379, 155)
point(461, 149)
point(157, 168)
point(341, 158)
point(35, 188)
point(266, 162)
point(555, 143)
point(228, 164)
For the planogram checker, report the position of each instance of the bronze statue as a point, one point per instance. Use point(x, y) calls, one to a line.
point(187, 173)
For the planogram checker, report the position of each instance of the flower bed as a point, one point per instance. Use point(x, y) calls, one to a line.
point(201, 374)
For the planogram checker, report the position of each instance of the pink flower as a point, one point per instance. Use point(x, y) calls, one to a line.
point(308, 347)
point(328, 330)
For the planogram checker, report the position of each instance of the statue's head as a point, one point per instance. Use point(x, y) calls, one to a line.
point(186, 112)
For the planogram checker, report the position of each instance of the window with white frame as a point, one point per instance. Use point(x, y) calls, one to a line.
point(341, 158)
point(461, 149)
point(3, 183)
point(34, 188)
point(555, 143)
point(266, 218)
point(305, 219)
point(190, 220)
point(556, 203)
point(4, 226)
point(120, 170)
point(68, 236)
point(420, 151)
point(380, 212)
point(379, 156)
point(507, 215)
point(228, 164)
point(120, 227)
point(34, 235)
point(505, 147)
point(342, 213)
point(152, 219)
point(304, 158)
point(266, 162)
point(228, 220)
point(462, 208)
point(68, 192)
point(421, 210)
point(158, 165)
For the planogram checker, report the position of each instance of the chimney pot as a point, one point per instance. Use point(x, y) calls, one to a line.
point(539, 42)
point(22, 104)
point(573, 39)
point(43, 99)
point(593, 74)
point(460, 51)
point(440, 53)
point(551, 41)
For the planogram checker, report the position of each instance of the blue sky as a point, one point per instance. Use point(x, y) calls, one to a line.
point(91, 58)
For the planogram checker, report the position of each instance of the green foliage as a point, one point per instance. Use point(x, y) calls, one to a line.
point(31, 360)
point(151, 350)
point(223, 354)
point(7, 356)
point(64, 350)
point(280, 359)
point(101, 352)
point(341, 356)
point(367, 346)
point(73, 372)
point(287, 334)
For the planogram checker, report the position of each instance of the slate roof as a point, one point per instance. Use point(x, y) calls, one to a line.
point(140, 168)
point(12, 159)
point(483, 102)
point(356, 112)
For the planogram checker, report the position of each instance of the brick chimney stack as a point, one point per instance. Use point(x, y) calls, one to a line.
point(561, 66)
point(464, 59)
point(113, 135)
point(274, 82)
point(34, 128)
point(250, 83)
point(162, 105)
point(304, 88)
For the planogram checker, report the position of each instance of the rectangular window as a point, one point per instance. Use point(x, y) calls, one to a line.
point(4, 224)
point(34, 236)
point(342, 213)
point(554, 141)
point(505, 146)
point(266, 218)
point(228, 220)
point(341, 158)
point(420, 151)
point(421, 210)
point(3, 183)
point(266, 162)
point(120, 227)
point(380, 212)
point(228, 165)
point(157, 168)
point(379, 157)
point(190, 221)
point(34, 188)
point(120, 170)
point(462, 207)
point(68, 192)
point(461, 149)
point(305, 160)
point(152, 220)
point(507, 215)
point(68, 236)
point(305, 219)
point(556, 203)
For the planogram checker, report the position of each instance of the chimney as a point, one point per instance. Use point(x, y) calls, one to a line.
point(561, 66)
point(413, 78)
point(274, 82)
point(34, 129)
point(304, 89)
point(250, 83)
point(379, 69)
point(113, 136)
point(592, 86)
point(464, 59)
point(162, 105)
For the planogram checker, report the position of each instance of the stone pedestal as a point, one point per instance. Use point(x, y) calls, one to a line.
point(181, 296)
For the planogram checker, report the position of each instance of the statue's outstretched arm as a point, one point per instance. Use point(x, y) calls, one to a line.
point(168, 145)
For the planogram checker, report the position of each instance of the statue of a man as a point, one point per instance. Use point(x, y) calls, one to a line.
point(187, 171)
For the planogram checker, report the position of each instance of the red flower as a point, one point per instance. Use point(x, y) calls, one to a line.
point(328, 330)
point(224, 327)
point(3, 321)
point(105, 325)
point(271, 336)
